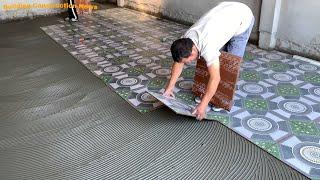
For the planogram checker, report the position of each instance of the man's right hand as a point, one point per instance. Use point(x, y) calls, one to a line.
point(175, 73)
point(168, 93)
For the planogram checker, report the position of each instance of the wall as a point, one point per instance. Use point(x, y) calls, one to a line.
point(112, 1)
point(189, 10)
point(299, 28)
point(11, 14)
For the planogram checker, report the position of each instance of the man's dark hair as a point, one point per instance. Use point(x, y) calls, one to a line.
point(181, 48)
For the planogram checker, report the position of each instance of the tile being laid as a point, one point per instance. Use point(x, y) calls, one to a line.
point(181, 106)
point(174, 104)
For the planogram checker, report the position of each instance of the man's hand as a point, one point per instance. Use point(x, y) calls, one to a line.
point(212, 85)
point(168, 93)
point(175, 73)
point(200, 111)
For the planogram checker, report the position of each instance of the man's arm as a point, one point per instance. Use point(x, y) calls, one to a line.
point(214, 72)
point(175, 73)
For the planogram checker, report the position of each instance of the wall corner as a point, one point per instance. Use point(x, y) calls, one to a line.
point(269, 20)
point(120, 3)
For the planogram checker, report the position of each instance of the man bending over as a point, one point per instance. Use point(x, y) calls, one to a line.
point(226, 27)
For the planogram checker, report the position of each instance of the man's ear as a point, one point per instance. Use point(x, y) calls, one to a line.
point(194, 51)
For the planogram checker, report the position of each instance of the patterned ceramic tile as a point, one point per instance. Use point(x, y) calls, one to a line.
point(304, 128)
point(277, 101)
point(269, 146)
point(302, 152)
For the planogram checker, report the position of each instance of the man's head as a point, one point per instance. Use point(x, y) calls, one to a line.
point(183, 50)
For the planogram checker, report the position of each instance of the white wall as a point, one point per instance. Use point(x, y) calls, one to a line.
point(299, 27)
point(190, 10)
point(289, 25)
point(20, 13)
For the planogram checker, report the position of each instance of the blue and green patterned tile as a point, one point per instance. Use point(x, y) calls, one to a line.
point(163, 72)
point(125, 82)
point(106, 78)
point(288, 90)
point(143, 100)
point(187, 97)
point(224, 119)
point(124, 93)
point(269, 146)
point(91, 66)
point(120, 60)
point(157, 83)
point(311, 91)
point(188, 72)
point(150, 53)
point(248, 56)
point(273, 56)
point(184, 85)
point(124, 38)
point(255, 105)
point(302, 152)
point(143, 110)
point(255, 89)
point(265, 127)
point(307, 128)
point(302, 108)
point(136, 70)
point(313, 78)
point(283, 77)
point(140, 45)
point(167, 62)
point(306, 67)
point(278, 66)
point(250, 65)
point(130, 46)
point(110, 50)
point(251, 76)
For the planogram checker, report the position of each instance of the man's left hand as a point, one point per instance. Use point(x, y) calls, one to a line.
point(200, 112)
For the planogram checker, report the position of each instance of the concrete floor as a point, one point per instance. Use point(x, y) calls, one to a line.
point(58, 121)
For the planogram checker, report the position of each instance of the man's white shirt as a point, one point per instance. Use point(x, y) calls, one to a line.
point(215, 28)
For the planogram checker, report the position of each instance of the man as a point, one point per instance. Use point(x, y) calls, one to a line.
point(72, 12)
point(225, 27)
